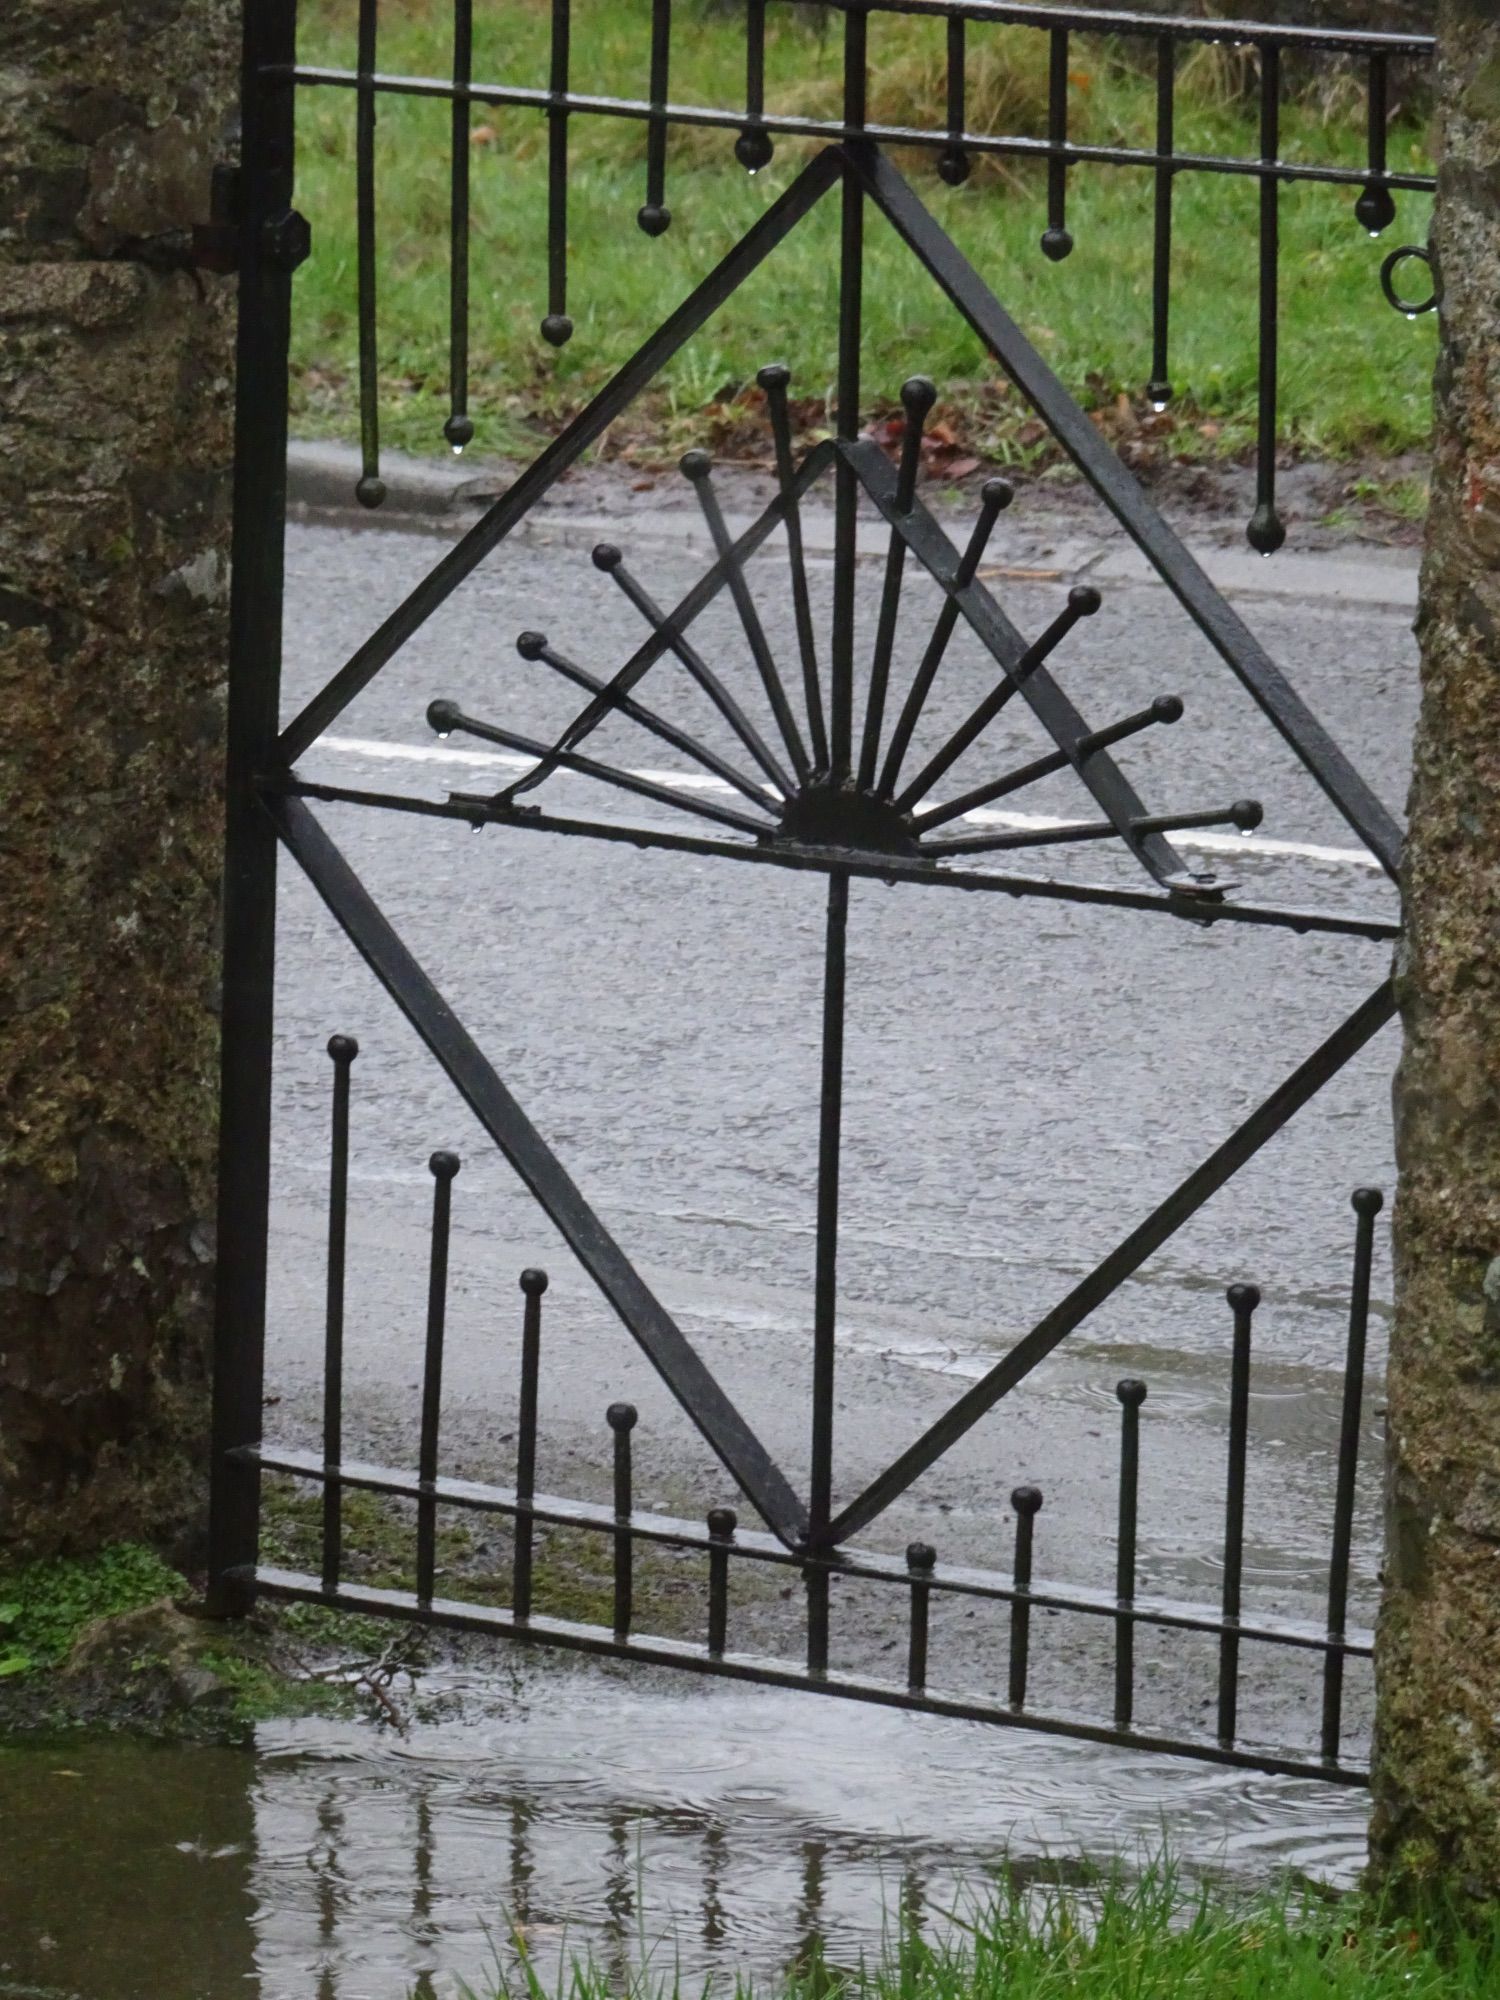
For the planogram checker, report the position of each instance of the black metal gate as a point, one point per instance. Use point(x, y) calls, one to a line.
point(812, 785)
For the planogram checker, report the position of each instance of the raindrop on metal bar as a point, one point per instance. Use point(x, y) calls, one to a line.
point(1159, 388)
point(621, 1418)
point(1056, 242)
point(1132, 1394)
point(754, 147)
point(1376, 208)
point(370, 490)
point(1027, 1501)
point(343, 1049)
point(654, 216)
point(557, 328)
point(1243, 1299)
point(533, 1285)
point(1367, 1203)
point(1266, 533)
point(459, 428)
point(722, 1523)
point(920, 1558)
point(443, 1167)
point(953, 162)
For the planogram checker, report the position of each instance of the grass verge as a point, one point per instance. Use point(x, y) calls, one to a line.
point(1130, 1938)
point(1355, 375)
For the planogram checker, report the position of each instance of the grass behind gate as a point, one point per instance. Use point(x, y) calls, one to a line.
point(1355, 375)
point(1129, 1940)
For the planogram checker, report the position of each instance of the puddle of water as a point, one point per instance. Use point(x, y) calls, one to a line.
point(710, 1830)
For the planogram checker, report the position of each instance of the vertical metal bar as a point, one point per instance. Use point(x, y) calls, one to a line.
point(370, 490)
point(250, 844)
point(1266, 533)
point(1367, 1203)
point(1026, 1500)
point(621, 1418)
point(1056, 242)
point(722, 1523)
point(557, 328)
point(533, 1285)
point(654, 216)
point(343, 1049)
point(846, 483)
point(459, 428)
point(1243, 1299)
point(754, 147)
point(773, 380)
point(816, 1583)
point(917, 397)
point(953, 162)
point(1131, 1394)
point(1376, 208)
point(442, 1167)
point(825, 1271)
point(825, 1278)
point(1159, 388)
point(920, 1558)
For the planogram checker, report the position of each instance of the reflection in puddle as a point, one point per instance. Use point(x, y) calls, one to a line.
point(701, 1830)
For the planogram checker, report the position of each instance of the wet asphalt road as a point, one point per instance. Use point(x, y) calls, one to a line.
point(1024, 1080)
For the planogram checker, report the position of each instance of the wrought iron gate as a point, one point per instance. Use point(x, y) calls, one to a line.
point(812, 785)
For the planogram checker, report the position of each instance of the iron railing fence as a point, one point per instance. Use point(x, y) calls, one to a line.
point(950, 140)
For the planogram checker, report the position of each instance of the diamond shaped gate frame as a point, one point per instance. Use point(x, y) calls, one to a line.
point(829, 788)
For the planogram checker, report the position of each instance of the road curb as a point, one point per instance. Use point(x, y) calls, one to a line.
point(430, 493)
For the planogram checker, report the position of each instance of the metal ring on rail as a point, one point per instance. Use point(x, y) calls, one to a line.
point(1388, 281)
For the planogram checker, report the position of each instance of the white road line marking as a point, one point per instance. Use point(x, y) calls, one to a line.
point(1249, 846)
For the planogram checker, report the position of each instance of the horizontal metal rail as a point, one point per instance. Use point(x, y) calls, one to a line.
point(1130, 21)
point(881, 868)
point(832, 130)
point(455, 1615)
point(753, 1546)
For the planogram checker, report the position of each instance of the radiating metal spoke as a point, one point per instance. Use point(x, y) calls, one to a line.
point(665, 636)
point(1166, 708)
point(1244, 814)
point(1083, 602)
point(773, 380)
point(698, 467)
point(995, 496)
point(445, 717)
point(611, 560)
point(535, 646)
point(917, 397)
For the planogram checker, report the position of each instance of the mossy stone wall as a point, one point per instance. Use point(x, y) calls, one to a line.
point(1437, 1778)
point(115, 403)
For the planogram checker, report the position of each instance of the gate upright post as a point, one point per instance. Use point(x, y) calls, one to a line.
point(272, 240)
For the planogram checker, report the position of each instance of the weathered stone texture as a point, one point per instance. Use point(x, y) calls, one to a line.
point(1438, 1658)
point(114, 406)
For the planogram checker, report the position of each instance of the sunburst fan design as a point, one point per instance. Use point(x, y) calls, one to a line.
point(815, 786)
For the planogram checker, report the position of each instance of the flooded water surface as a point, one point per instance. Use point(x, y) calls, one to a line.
point(568, 1811)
